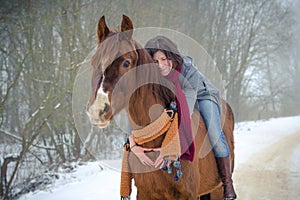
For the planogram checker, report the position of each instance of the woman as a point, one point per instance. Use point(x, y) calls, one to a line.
point(199, 92)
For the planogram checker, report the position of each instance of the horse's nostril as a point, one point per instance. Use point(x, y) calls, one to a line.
point(106, 107)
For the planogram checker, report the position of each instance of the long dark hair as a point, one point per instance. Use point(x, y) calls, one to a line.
point(168, 47)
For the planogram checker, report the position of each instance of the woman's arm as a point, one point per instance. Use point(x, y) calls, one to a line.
point(189, 87)
point(131, 142)
point(140, 152)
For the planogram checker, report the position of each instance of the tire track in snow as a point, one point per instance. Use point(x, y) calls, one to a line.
point(271, 173)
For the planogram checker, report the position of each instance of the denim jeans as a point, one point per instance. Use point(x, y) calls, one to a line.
point(211, 115)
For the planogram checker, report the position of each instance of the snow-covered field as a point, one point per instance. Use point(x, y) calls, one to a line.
point(89, 182)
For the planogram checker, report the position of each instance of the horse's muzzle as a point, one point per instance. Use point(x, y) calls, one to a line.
point(99, 111)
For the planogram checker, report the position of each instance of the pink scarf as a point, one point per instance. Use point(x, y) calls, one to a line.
point(184, 121)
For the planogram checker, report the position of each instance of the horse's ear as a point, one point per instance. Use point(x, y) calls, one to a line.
point(127, 26)
point(102, 30)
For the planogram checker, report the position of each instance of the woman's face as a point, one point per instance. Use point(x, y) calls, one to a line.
point(165, 65)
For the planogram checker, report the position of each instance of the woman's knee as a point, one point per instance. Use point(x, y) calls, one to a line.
point(221, 148)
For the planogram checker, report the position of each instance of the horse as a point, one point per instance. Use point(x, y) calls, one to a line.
point(120, 80)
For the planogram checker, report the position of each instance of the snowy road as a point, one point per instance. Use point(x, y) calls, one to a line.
point(267, 167)
point(272, 173)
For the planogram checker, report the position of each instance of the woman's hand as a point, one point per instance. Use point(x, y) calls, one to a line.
point(140, 153)
point(159, 161)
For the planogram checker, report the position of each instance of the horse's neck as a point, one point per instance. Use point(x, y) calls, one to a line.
point(148, 101)
point(144, 108)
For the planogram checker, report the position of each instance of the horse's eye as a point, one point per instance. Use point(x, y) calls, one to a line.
point(126, 63)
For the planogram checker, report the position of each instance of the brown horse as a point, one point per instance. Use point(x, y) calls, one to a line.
point(123, 77)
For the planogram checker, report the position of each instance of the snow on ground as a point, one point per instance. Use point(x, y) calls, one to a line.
point(295, 166)
point(89, 182)
point(251, 137)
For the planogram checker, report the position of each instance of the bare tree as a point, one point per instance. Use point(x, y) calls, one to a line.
point(44, 43)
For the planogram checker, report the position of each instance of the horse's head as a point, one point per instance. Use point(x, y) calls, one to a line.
point(124, 75)
point(115, 55)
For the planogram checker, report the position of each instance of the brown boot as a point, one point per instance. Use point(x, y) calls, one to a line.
point(225, 174)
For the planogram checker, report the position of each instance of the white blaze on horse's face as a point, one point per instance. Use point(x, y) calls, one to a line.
point(99, 109)
point(110, 45)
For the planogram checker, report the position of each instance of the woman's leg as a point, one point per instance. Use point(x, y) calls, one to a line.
point(211, 115)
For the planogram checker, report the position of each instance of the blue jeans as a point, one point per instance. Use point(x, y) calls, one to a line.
point(211, 115)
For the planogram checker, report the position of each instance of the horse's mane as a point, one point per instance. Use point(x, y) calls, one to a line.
point(151, 88)
point(107, 51)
